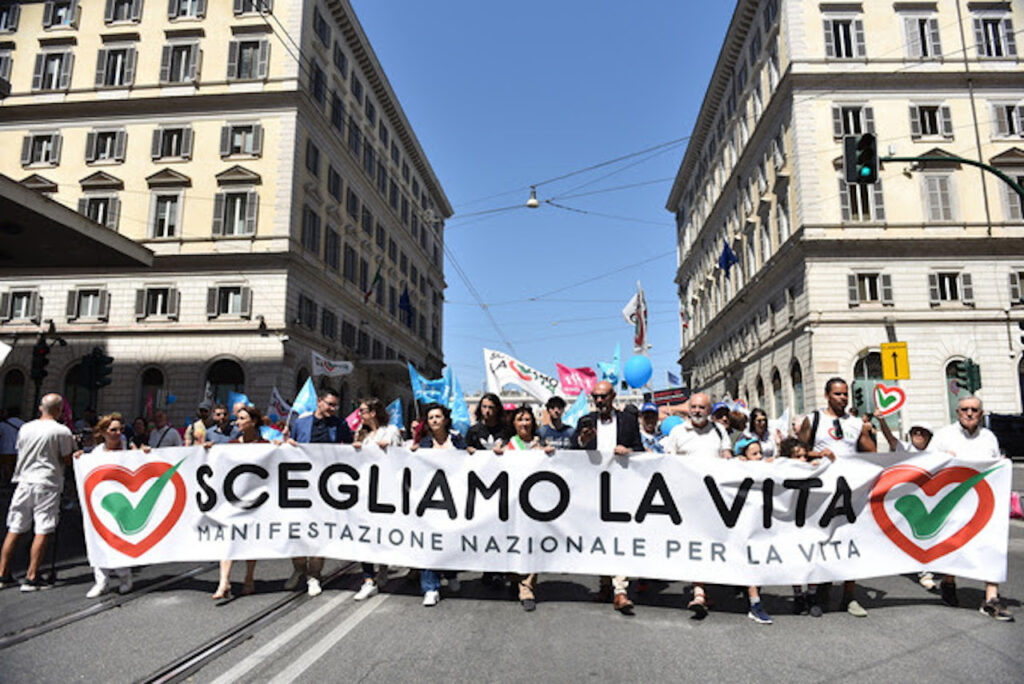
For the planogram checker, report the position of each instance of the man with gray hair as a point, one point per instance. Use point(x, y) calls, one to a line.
point(44, 447)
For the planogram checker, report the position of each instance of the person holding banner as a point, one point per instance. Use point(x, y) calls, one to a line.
point(163, 435)
point(323, 426)
point(438, 435)
point(223, 430)
point(759, 431)
point(556, 433)
point(489, 429)
point(375, 429)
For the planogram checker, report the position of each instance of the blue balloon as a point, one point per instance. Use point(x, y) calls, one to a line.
point(637, 371)
point(171, 399)
point(669, 423)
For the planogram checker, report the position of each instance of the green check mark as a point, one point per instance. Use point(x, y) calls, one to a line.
point(132, 519)
point(924, 524)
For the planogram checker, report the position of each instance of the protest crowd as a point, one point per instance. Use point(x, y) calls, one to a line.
point(699, 427)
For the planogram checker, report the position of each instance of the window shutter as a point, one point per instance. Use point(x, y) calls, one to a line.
point(1009, 38)
point(915, 122)
point(90, 147)
point(933, 289)
point(72, 307)
point(257, 140)
point(211, 302)
point(947, 121)
point(195, 56)
point(165, 62)
point(186, 143)
point(844, 200)
point(101, 67)
point(120, 142)
point(1001, 114)
point(252, 204)
point(172, 8)
point(5, 306)
point(232, 60)
point(67, 63)
point(837, 122)
point(933, 32)
point(879, 199)
point(73, 12)
point(218, 214)
point(37, 72)
point(58, 141)
point(83, 205)
point(129, 66)
point(967, 289)
point(1014, 203)
point(113, 213)
point(35, 307)
point(1015, 297)
point(263, 65)
point(886, 289)
point(830, 44)
point(108, 12)
point(26, 150)
point(48, 14)
point(858, 34)
point(851, 289)
point(869, 119)
point(154, 150)
point(173, 302)
point(913, 37)
point(979, 37)
point(268, 6)
point(201, 8)
point(1019, 112)
point(136, 10)
point(238, 6)
point(225, 140)
point(246, 302)
point(140, 304)
point(104, 312)
point(12, 20)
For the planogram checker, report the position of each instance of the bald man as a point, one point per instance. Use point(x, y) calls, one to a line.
point(44, 447)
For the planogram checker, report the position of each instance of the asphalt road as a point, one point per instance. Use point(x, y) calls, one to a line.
point(482, 634)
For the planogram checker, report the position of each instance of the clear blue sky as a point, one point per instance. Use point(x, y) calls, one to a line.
point(504, 95)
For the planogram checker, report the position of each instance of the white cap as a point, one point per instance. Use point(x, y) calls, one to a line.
point(923, 424)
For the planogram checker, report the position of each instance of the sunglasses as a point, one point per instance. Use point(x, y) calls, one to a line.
point(969, 409)
point(838, 428)
point(604, 395)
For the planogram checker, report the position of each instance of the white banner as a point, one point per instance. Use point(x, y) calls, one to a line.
point(503, 370)
point(324, 366)
point(722, 521)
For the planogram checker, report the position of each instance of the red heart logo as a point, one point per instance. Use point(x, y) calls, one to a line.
point(133, 480)
point(931, 485)
point(833, 433)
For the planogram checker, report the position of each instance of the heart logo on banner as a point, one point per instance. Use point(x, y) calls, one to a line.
point(927, 524)
point(132, 519)
point(889, 400)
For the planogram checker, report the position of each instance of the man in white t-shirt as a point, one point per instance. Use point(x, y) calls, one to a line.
point(44, 447)
point(163, 435)
point(967, 437)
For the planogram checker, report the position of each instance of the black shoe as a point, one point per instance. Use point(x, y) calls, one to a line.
point(948, 592)
point(529, 605)
point(7, 581)
point(34, 585)
point(815, 610)
point(799, 604)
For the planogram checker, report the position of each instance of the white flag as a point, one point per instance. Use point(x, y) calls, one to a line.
point(277, 404)
point(324, 366)
point(5, 349)
point(635, 313)
point(502, 370)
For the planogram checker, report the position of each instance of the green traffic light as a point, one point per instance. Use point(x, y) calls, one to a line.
point(865, 172)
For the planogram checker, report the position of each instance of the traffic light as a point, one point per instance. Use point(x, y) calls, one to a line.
point(960, 373)
point(973, 376)
point(40, 354)
point(858, 397)
point(98, 367)
point(860, 158)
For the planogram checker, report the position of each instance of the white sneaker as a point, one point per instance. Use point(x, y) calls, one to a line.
point(292, 583)
point(126, 585)
point(313, 587)
point(431, 598)
point(454, 584)
point(366, 591)
point(98, 589)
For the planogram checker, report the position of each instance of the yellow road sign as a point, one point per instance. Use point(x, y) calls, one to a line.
point(895, 361)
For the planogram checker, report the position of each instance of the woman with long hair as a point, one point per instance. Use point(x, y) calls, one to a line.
point(759, 430)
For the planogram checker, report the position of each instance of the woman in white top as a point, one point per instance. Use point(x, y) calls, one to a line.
point(759, 431)
point(374, 430)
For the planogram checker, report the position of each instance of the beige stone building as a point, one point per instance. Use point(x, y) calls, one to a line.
point(932, 255)
point(258, 150)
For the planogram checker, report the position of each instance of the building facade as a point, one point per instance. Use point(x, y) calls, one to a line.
point(259, 151)
point(827, 271)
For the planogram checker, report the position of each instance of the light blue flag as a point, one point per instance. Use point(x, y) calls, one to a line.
point(429, 391)
point(234, 398)
point(270, 434)
point(305, 400)
point(576, 411)
point(395, 414)
point(610, 371)
point(673, 380)
point(457, 402)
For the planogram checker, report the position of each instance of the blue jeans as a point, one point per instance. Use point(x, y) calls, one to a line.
point(430, 580)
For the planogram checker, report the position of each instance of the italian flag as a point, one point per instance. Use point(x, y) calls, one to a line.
point(373, 284)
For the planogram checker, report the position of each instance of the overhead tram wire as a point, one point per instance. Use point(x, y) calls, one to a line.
point(479, 300)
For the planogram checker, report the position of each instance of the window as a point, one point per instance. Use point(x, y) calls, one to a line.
point(41, 149)
point(241, 139)
point(796, 378)
point(357, 90)
point(393, 194)
point(105, 146)
point(235, 212)
point(166, 213)
point(869, 288)
point(337, 113)
point(60, 13)
point(332, 248)
point(122, 10)
point(403, 264)
point(194, 9)
point(369, 160)
point(861, 202)
point(1009, 120)
point(115, 67)
point(9, 14)
point(1016, 292)
point(392, 300)
point(310, 229)
point(52, 71)
point(352, 204)
point(248, 60)
point(321, 28)
point(392, 250)
point(922, 35)
point(770, 10)
point(173, 142)
point(157, 302)
point(333, 182)
point(329, 324)
point(1014, 202)
point(21, 305)
point(852, 120)
point(340, 61)
point(103, 210)
point(355, 136)
point(363, 346)
point(994, 36)
point(382, 237)
point(367, 221)
point(349, 264)
point(229, 300)
point(371, 112)
point(938, 198)
point(5, 66)
point(253, 6)
point(950, 287)
point(931, 121)
point(382, 134)
point(782, 217)
point(844, 38)
point(226, 376)
point(179, 63)
point(317, 83)
point(312, 158)
point(348, 334)
point(307, 312)
point(364, 275)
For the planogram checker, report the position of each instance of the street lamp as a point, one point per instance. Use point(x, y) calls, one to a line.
point(533, 203)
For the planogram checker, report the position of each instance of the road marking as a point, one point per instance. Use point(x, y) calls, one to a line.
point(256, 659)
point(320, 649)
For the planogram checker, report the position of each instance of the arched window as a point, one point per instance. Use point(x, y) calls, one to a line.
point(13, 398)
point(955, 386)
point(777, 406)
point(151, 392)
point(225, 376)
point(760, 392)
point(76, 391)
point(796, 378)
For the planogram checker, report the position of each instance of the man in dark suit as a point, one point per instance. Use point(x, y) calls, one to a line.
point(323, 426)
point(619, 433)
